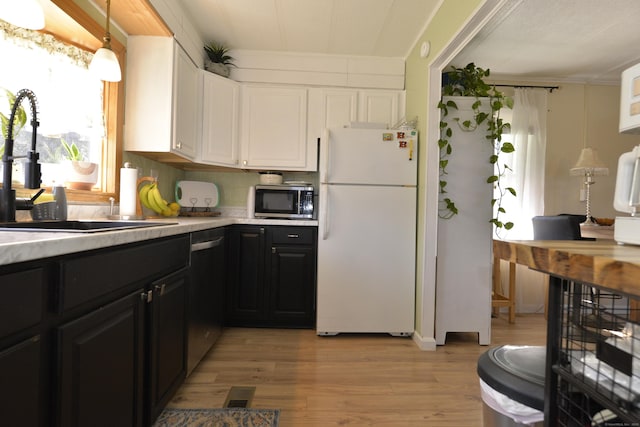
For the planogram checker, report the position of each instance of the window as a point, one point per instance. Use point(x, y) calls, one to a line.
point(69, 22)
point(70, 100)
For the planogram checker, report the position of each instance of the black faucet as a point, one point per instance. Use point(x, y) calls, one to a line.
point(32, 178)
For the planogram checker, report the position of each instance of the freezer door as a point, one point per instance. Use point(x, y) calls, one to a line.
point(369, 156)
point(366, 260)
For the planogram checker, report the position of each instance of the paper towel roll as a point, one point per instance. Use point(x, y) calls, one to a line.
point(251, 202)
point(128, 190)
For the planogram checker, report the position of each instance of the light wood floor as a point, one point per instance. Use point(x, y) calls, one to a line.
point(353, 380)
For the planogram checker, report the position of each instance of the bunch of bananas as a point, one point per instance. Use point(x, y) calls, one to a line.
point(151, 198)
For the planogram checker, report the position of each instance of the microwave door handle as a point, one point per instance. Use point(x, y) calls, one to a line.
point(325, 211)
point(634, 197)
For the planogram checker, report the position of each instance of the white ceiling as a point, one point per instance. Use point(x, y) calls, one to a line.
point(386, 28)
point(559, 40)
point(538, 40)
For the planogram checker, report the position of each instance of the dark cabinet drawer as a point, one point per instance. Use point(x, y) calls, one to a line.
point(89, 277)
point(22, 302)
point(293, 235)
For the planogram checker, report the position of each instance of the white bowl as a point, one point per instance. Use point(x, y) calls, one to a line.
point(270, 178)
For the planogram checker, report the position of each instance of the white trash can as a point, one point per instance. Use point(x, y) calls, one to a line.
point(512, 386)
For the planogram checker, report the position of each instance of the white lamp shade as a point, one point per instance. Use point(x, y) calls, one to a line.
point(105, 65)
point(22, 13)
point(589, 162)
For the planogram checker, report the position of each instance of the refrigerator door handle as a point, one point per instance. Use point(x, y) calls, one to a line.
point(324, 196)
point(324, 152)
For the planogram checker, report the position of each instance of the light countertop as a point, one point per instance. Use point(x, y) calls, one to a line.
point(19, 246)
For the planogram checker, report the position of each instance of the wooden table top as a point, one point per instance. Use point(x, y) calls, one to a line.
point(602, 262)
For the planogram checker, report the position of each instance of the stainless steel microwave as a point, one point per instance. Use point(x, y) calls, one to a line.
point(292, 201)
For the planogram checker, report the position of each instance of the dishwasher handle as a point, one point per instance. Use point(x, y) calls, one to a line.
point(195, 247)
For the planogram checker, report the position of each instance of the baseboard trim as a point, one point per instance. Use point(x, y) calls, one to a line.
point(424, 343)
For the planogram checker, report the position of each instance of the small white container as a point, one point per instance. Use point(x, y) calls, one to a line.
point(270, 178)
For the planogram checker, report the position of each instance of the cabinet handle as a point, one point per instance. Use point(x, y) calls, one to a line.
point(273, 250)
point(147, 296)
point(160, 288)
point(179, 144)
point(244, 162)
point(293, 236)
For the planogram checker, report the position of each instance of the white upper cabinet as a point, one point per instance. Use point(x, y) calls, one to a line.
point(220, 110)
point(274, 129)
point(162, 98)
point(381, 106)
point(186, 105)
point(338, 108)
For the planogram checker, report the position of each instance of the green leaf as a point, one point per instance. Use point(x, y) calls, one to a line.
point(511, 190)
point(493, 159)
point(492, 179)
point(507, 147)
point(508, 225)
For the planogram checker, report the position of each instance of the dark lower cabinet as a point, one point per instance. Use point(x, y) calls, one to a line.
point(291, 279)
point(245, 289)
point(167, 340)
point(94, 339)
point(101, 366)
point(24, 349)
point(21, 402)
point(272, 276)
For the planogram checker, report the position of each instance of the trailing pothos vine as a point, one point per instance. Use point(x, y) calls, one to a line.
point(469, 81)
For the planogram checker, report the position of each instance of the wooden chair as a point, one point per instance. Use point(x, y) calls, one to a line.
point(556, 227)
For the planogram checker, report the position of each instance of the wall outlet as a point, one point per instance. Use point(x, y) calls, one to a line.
point(583, 195)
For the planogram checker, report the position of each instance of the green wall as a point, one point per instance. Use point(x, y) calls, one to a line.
point(449, 19)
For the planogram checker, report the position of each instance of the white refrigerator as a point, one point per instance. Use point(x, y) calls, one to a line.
point(367, 232)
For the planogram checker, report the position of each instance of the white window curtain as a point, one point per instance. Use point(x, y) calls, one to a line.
point(529, 137)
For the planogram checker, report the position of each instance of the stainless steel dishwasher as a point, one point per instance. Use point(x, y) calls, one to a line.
point(206, 293)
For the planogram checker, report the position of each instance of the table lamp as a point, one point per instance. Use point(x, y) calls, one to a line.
point(589, 165)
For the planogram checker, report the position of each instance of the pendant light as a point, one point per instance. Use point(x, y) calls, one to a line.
point(105, 63)
point(23, 13)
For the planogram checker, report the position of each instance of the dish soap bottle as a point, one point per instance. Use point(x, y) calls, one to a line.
point(60, 197)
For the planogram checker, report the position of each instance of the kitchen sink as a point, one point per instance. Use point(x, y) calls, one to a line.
point(77, 226)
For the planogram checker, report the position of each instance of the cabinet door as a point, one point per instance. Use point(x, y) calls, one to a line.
point(245, 287)
point(186, 101)
point(100, 366)
point(149, 94)
point(168, 340)
point(292, 286)
point(220, 109)
point(330, 108)
point(274, 129)
point(380, 106)
point(21, 402)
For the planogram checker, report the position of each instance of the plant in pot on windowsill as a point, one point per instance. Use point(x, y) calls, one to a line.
point(80, 175)
point(486, 103)
point(218, 61)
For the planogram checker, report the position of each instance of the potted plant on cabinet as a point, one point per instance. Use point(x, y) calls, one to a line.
point(218, 61)
point(80, 175)
point(486, 103)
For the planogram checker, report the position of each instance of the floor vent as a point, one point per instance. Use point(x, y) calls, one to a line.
point(239, 397)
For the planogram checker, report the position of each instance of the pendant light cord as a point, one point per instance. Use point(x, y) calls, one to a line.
point(107, 35)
